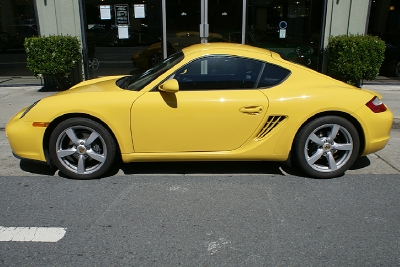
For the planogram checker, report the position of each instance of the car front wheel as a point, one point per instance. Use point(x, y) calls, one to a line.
point(326, 147)
point(82, 148)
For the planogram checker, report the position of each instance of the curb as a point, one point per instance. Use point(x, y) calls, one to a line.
point(396, 123)
point(30, 86)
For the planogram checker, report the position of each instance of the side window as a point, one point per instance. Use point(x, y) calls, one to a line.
point(272, 75)
point(219, 73)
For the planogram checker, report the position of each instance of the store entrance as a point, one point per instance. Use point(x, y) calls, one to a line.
point(125, 36)
point(129, 36)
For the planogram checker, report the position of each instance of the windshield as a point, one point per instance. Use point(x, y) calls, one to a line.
point(138, 82)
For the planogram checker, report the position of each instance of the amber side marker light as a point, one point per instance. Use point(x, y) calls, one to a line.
point(40, 124)
point(376, 105)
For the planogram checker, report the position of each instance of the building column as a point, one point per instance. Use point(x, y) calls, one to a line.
point(344, 17)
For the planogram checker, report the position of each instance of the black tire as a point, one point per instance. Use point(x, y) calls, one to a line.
point(397, 69)
point(82, 148)
point(326, 147)
point(155, 59)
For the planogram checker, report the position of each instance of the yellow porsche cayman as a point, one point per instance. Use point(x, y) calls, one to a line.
point(207, 102)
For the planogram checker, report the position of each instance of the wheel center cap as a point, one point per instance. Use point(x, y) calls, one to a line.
point(327, 147)
point(81, 149)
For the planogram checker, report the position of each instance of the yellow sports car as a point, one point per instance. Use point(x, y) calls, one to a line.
point(207, 102)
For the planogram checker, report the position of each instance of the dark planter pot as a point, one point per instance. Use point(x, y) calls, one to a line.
point(359, 83)
point(61, 82)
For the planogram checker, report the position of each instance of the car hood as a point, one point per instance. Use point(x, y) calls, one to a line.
point(103, 84)
point(90, 97)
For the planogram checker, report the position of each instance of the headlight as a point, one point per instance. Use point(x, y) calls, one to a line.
point(29, 108)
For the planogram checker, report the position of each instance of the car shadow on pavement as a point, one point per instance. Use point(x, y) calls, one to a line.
point(202, 167)
point(361, 163)
point(36, 167)
point(192, 168)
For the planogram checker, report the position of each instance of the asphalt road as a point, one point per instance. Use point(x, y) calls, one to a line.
point(205, 220)
point(203, 214)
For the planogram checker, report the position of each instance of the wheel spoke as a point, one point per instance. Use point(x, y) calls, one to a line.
point(71, 134)
point(331, 161)
point(93, 136)
point(347, 147)
point(81, 164)
point(316, 139)
point(96, 156)
point(65, 152)
point(317, 155)
point(334, 132)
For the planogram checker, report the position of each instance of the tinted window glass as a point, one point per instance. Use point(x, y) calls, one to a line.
point(272, 75)
point(219, 72)
point(136, 83)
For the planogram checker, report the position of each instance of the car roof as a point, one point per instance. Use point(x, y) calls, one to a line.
point(227, 46)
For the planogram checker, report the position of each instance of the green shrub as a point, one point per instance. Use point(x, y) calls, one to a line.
point(355, 57)
point(55, 56)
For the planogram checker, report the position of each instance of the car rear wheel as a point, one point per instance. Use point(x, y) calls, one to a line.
point(326, 147)
point(82, 148)
point(397, 69)
point(155, 59)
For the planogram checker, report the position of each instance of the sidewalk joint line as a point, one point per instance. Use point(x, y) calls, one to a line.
point(386, 162)
point(5, 81)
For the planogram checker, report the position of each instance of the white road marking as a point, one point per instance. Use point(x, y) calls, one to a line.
point(178, 188)
point(31, 234)
point(213, 247)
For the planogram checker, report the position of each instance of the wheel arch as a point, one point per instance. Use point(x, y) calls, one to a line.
point(64, 117)
point(344, 115)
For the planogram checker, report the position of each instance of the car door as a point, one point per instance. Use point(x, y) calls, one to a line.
point(216, 108)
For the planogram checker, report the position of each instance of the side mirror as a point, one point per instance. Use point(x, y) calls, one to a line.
point(169, 86)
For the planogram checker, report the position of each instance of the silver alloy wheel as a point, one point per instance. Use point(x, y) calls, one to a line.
point(155, 59)
point(328, 148)
point(81, 149)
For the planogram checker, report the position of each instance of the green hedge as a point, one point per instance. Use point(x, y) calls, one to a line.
point(355, 57)
point(52, 55)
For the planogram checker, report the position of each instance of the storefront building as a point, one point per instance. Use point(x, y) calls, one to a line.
point(124, 36)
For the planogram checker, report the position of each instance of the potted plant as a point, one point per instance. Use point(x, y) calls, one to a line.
point(355, 57)
point(54, 58)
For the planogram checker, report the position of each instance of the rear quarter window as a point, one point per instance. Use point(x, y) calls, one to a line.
point(272, 75)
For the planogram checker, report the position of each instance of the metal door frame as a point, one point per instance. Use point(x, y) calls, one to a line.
point(204, 26)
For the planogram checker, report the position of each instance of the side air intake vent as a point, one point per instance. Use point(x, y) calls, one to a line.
point(271, 123)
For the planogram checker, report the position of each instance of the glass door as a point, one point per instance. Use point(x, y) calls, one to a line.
point(190, 22)
point(117, 30)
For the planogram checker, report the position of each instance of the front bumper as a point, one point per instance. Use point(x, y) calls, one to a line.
point(25, 140)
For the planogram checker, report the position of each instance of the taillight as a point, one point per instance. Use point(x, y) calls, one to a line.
point(376, 105)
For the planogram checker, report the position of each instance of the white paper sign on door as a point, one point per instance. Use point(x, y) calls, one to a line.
point(105, 12)
point(123, 32)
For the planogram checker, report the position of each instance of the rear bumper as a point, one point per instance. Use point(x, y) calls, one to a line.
point(376, 128)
